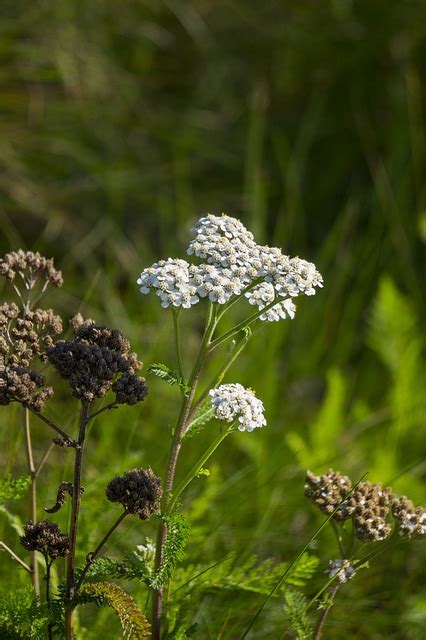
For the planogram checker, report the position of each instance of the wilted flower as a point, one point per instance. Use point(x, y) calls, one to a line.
point(45, 536)
point(17, 384)
point(342, 569)
point(234, 402)
point(139, 492)
point(95, 360)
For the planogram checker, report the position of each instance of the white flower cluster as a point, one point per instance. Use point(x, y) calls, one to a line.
point(262, 295)
point(342, 569)
point(233, 262)
point(171, 280)
point(234, 402)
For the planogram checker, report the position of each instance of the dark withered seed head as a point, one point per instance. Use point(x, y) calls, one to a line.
point(138, 491)
point(95, 360)
point(130, 389)
point(45, 536)
point(30, 266)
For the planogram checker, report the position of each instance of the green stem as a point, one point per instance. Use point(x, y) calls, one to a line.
point(176, 332)
point(338, 538)
point(242, 325)
point(92, 556)
point(323, 615)
point(217, 379)
point(233, 301)
point(179, 432)
point(198, 465)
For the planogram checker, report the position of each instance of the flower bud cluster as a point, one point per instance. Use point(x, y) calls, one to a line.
point(411, 520)
point(328, 491)
point(233, 262)
point(233, 402)
point(369, 506)
point(45, 536)
point(95, 361)
point(138, 491)
point(31, 267)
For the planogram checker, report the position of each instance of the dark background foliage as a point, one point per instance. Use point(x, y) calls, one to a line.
point(121, 123)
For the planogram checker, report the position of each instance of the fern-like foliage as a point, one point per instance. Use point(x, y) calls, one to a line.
point(133, 622)
point(252, 575)
point(13, 488)
point(21, 617)
point(167, 374)
point(295, 607)
point(174, 548)
point(202, 417)
point(180, 627)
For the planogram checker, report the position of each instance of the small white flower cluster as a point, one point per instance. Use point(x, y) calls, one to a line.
point(342, 569)
point(171, 280)
point(234, 402)
point(233, 262)
point(262, 295)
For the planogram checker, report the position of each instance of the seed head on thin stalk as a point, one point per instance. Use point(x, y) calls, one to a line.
point(46, 537)
point(138, 491)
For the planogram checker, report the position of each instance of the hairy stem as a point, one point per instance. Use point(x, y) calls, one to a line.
point(33, 494)
point(182, 422)
point(75, 510)
point(323, 615)
point(92, 556)
point(242, 325)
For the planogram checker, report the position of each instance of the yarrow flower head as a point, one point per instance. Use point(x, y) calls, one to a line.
point(96, 360)
point(411, 520)
point(138, 491)
point(233, 263)
point(328, 491)
point(233, 402)
point(341, 569)
point(45, 536)
point(31, 267)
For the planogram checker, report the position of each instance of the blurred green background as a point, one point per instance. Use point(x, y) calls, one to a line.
point(122, 123)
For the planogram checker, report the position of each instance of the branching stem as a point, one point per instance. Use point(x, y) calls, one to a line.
point(92, 556)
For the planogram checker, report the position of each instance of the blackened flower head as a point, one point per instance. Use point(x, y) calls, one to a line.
point(94, 361)
point(45, 536)
point(139, 492)
point(130, 389)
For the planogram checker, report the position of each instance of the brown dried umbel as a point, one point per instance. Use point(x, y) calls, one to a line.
point(139, 492)
point(130, 389)
point(328, 491)
point(31, 267)
point(26, 337)
point(45, 536)
point(17, 384)
point(411, 520)
point(95, 360)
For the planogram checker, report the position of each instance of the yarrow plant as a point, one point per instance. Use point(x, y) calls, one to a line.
point(240, 287)
point(227, 267)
